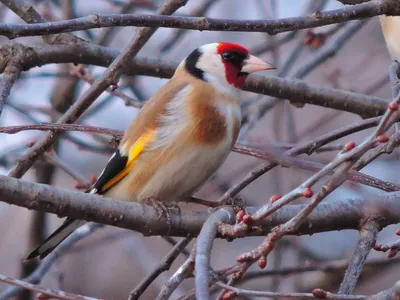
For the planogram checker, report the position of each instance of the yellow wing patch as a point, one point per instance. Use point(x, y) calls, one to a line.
point(135, 151)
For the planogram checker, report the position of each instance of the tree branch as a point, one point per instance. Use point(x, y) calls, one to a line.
point(176, 279)
point(10, 75)
point(204, 245)
point(328, 267)
point(37, 275)
point(164, 265)
point(295, 90)
point(313, 295)
point(368, 233)
point(336, 215)
point(390, 294)
point(356, 12)
point(54, 294)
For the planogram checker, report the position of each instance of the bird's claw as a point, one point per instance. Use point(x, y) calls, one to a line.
point(162, 209)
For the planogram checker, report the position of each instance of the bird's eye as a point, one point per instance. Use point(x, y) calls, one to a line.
point(227, 56)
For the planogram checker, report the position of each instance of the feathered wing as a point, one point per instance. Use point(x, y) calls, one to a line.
point(137, 137)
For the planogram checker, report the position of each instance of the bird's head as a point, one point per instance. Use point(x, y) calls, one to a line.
point(224, 65)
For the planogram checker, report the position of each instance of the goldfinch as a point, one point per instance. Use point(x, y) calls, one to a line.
point(180, 137)
point(391, 32)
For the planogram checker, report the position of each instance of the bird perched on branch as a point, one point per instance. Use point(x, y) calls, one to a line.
point(391, 32)
point(180, 137)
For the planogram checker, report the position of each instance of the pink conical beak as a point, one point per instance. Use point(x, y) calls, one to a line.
point(254, 64)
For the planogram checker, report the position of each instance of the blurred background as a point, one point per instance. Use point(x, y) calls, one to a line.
point(112, 261)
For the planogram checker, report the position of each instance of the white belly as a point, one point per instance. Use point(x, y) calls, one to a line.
point(182, 176)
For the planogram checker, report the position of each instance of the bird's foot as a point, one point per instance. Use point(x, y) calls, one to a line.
point(161, 209)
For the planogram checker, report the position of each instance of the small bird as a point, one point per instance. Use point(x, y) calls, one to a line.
point(391, 32)
point(180, 137)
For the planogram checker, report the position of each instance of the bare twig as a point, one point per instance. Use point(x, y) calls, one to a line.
point(307, 147)
point(329, 267)
point(176, 279)
point(10, 75)
point(55, 294)
point(393, 248)
point(389, 294)
point(204, 244)
point(163, 266)
point(355, 12)
point(199, 11)
point(277, 159)
point(129, 101)
point(330, 49)
point(62, 127)
point(27, 13)
point(37, 276)
point(56, 161)
point(368, 234)
point(313, 295)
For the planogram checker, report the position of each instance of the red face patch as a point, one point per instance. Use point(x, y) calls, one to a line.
point(232, 71)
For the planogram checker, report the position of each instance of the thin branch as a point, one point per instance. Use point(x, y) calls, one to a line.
point(55, 294)
point(314, 295)
point(368, 233)
point(276, 43)
point(287, 161)
point(390, 294)
point(10, 76)
point(164, 265)
point(57, 162)
point(199, 11)
point(331, 48)
point(204, 244)
point(361, 11)
point(129, 101)
point(27, 13)
point(178, 277)
point(393, 248)
point(37, 276)
point(62, 127)
point(307, 147)
point(329, 267)
point(173, 242)
point(394, 79)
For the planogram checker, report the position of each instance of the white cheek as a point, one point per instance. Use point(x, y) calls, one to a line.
point(214, 73)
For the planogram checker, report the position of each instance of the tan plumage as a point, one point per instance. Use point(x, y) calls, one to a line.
point(204, 141)
point(180, 137)
point(391, 32)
